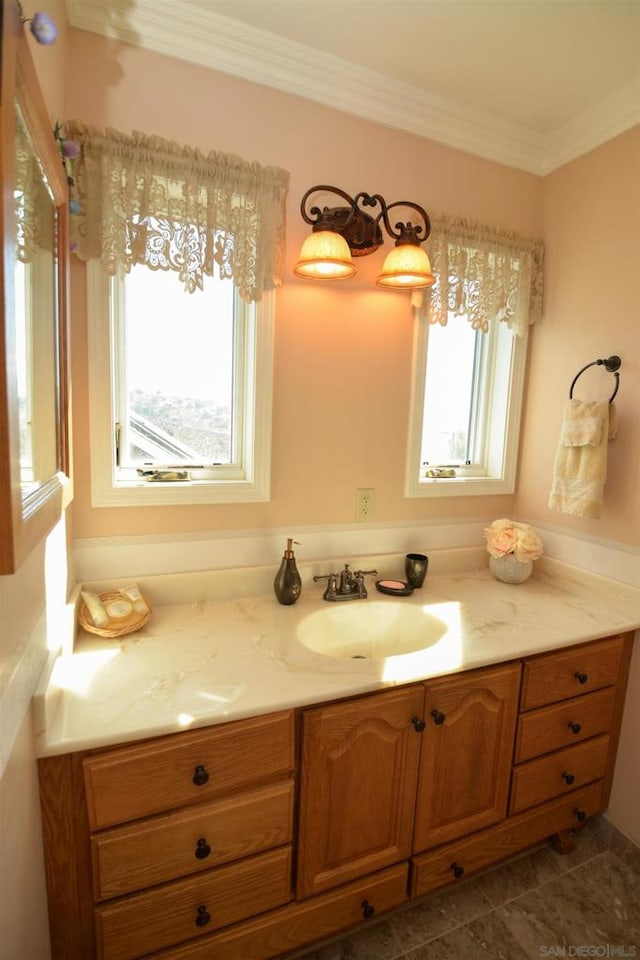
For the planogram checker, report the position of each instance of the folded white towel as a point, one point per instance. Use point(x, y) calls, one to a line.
point(580, 468)
point(582, 431)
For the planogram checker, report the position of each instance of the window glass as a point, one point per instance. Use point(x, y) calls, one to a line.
point(176, 372)
point(465, 413)
point(452, 385)
point(180, 389)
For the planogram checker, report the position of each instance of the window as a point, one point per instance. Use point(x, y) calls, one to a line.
point(465, 416)
point(179, 382)
point(180, 390)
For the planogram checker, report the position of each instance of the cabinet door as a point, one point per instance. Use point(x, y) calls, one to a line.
point(466, 754)
point(358, 786)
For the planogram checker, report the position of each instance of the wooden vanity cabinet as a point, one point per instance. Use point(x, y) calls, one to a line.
point(392, 773)
point(466, 750)
point(182, 847)
point(570, 713)
point(359, 769)
point(564, 757)
point(158, 843)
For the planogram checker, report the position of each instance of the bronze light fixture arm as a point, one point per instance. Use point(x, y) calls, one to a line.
point(360, 229)
point(406, 232)
point(323, 218)
point(347, 231)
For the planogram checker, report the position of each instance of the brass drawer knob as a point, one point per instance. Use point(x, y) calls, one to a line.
point(580, 815)
point(574, 727)
point(458, 871)
point(418, 723)
point(568, 778)
point(203, 918)
point(438, 718)
point(200, 776)
point(581, 677)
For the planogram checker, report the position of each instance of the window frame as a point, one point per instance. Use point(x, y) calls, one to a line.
point(223, 484)
point(502, 421)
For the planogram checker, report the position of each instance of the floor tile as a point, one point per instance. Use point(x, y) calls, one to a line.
point(518, 876)
point(438, 913)
point(615, 887)
point(486, 938)
point(627, 851)
point(377, 942)
point(582, 908)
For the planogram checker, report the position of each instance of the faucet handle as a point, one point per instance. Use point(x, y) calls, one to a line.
point(366, 573)
point(332, 585)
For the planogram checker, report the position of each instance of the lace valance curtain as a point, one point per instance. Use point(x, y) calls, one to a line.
point(483, 274)
point(143, 199)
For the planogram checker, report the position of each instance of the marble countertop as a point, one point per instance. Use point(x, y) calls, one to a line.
point(210, 654)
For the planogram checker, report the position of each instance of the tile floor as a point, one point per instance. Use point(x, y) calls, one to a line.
point(542, 904)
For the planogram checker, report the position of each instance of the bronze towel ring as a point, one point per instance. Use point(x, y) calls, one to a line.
point(612, 364)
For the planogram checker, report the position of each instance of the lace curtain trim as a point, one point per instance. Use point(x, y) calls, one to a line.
point(143, 199)
point(482, 274)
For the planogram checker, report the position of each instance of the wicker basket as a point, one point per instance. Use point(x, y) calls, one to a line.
point(117, 626)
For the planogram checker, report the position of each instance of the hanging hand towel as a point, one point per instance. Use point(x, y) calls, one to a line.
point(580, 468)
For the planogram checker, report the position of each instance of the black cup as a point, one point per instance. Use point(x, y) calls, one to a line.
point(415, 568)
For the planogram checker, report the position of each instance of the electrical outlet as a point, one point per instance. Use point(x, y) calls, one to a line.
point(365, 504)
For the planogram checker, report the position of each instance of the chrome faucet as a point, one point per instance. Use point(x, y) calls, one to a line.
point(346, 585)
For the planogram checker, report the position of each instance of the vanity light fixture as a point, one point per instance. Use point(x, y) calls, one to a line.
point(343, 232)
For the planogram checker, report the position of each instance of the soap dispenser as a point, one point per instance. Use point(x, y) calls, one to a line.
point(287, 584)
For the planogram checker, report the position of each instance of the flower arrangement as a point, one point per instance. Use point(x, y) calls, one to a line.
point(506, 537)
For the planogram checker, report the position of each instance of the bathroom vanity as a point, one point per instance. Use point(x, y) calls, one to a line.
point(254, 835)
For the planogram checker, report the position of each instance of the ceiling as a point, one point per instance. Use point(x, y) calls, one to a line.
point(530, 83)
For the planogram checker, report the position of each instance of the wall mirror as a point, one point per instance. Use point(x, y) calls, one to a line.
point(34, 451)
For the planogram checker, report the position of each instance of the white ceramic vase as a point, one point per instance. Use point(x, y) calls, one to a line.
point(510, 570)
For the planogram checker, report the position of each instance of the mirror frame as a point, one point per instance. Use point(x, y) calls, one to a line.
point(26, 520)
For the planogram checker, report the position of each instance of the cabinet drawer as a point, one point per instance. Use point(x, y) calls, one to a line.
point(186, 768)
point(292, 927)
point(437, 868)
point(539, 780)
point(568, 673)
point(178, 911)
point(564, 723)
point(164, 848)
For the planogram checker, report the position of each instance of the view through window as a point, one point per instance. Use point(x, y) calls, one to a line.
point(177, 372)
point(453, 387)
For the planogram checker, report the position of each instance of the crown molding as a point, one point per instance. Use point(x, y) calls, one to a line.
point(602, 122)
point(219, 43)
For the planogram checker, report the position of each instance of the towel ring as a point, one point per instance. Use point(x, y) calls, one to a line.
point(612, 364)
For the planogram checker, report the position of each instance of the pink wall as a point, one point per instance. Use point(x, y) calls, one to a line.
point(592, 298)
point(343, 353)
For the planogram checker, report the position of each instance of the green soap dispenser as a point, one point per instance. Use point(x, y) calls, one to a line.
point(287, 584)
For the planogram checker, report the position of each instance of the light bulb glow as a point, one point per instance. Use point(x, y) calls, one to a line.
point(325, 255)
point(406, 266)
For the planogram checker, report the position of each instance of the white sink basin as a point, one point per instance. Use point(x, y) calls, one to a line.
point(365, 629)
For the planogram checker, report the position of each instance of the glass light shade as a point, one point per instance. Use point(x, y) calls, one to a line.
point(325, 255)
point(406, 266)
